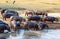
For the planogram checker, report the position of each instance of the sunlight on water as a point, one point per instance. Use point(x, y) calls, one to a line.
point(24, 34)
point(51, 34)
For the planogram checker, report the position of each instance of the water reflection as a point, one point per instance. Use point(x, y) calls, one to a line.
point(25, 34)
point(5, 35)
point(32, 35)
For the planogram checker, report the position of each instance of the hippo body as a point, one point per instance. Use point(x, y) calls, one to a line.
point(51, 19)
point(4, 26)
point(29, 12)
point(34, 18)
point(41, 12)
point(16, 21)
point(31, 25)
point(9, 13)
point(43, 25)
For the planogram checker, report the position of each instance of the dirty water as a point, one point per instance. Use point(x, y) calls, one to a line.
point(25, 34)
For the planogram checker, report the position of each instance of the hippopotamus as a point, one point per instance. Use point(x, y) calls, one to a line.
point(2, 38)
point(9, 13)
point(29, 12)
point(42, 25)
point(16, 21)
point(15, 25)
point(17, 18)
point(4, 26)
point(41, 12)
point(50, 18)
point(2, 11)
point(31, 25)
point(34, 18)
point(12, 11)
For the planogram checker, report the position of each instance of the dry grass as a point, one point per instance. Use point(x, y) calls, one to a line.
point(47, 5)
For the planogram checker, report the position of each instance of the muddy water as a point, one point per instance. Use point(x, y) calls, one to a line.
point(24, 34)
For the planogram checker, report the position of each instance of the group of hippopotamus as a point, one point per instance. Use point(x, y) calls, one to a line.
point(32, 22)
point(37, 16)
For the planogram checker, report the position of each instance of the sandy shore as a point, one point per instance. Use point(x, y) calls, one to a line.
point(54, 14)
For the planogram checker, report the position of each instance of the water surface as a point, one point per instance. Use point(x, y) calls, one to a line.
point(24, 34)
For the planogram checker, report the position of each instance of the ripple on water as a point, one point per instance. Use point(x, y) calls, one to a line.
point(51, 34)
point(45, 34)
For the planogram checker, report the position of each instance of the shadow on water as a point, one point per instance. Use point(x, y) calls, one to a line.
point(25, 34)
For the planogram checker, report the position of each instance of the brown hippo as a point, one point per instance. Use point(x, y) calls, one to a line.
point(34, 18)
point(41, 12)
point(17, 18)
point(31, 25)
point(50, 18)
point(35, 25)
point(15, 22)
point(3, 11)
point(9, 13)
point(29, 12)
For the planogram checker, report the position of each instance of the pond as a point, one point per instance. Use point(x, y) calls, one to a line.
point(25, 34)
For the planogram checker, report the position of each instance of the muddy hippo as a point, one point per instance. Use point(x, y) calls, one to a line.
point(29, 12)
point(41, 12)
point(9, 13)
point(4, 26)
point(15, 25)
point(17, 18)
point(42, 25)
point(31, 25)
point(16, 21)
point(34, 18)
point(50, 18)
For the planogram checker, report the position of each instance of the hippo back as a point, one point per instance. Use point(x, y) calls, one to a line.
point(1, 22)
point(8, 15)
point(43, 25)
point(19, 18)
point(12, 12)
point(34, 17)
point(31, 23)
point(41, 12)
point(50, 18)
point(4, 26)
